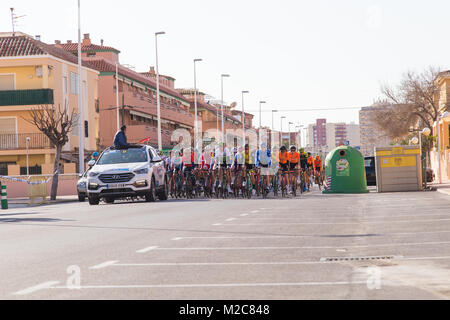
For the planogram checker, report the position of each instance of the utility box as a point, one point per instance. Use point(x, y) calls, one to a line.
point(398, 169)
point(345, 171)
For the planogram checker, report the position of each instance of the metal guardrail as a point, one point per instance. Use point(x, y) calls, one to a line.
point(18, 141)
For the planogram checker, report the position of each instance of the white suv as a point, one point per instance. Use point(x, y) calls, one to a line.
point(133, 172)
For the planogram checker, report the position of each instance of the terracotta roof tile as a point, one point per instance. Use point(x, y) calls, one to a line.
point(73, 47)
point(26, 46)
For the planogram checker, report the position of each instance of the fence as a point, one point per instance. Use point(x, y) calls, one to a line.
point(18, 141)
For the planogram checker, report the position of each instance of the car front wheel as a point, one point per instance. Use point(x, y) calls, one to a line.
point(151, 195)
point(94, 201)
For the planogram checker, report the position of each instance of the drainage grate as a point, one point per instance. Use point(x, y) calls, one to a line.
point(367, 258)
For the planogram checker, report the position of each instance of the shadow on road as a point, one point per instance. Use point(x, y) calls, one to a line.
point(20, 220)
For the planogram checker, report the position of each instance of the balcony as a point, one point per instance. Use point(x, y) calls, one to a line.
point(26, 97)
point(18, 141)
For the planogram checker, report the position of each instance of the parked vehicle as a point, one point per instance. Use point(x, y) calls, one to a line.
point(128, 173)
point(371, 175)
point(82, 187)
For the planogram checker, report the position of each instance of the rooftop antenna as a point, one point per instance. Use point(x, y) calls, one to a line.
point(14, 19)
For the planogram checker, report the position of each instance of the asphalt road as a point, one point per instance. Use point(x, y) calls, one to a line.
point(388, 246)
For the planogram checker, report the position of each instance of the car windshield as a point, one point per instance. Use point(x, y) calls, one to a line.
point(368, 162)
point(123, 156)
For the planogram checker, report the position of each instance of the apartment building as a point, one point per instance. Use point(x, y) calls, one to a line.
point(371, 135)
point(34, 74)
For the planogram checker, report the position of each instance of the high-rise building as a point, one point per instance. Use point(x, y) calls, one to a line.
point(324, 136)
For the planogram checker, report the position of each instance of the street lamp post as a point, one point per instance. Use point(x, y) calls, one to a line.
point(260, 121)
point(438, 126)
point(290, 123)
point(195, 102)
point(28, 164)
point(221, 78)
point(273, 112)
point(281, 130)
point(117, 96)
point(80, 100)
point(158, 98)
point(243, 118)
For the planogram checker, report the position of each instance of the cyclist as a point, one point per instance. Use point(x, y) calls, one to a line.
point(222, 162)
point(264, 161)
point(304, 165)
point(189, 161)
point(284, 166)
point(309, 171)
point(318, 167)
point(294, 160)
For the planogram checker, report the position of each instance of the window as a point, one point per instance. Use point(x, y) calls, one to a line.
point(65, 85)
point(8, 134)
point(7, 82)
point(86, 129)
point(73, 83)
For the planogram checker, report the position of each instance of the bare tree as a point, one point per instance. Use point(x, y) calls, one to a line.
point(56, 124)
point(415, 100)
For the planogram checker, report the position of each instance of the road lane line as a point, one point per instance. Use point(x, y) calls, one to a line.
point(217, 224)
point(333, 223)
point(42, 286)
point(311, 236)
point(177, 239)
point(231, 219)
point(255, 211)
point(147, 249)
point(104, 265)
point(215, 264)
point(305, 247)
point(221, 285)
point(244, 215)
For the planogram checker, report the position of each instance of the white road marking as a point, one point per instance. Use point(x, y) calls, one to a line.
point(305, 247)
point(42, 286)
point(310, 236)
point(427, 258)
point(335, 223)
point(217, 224)
point(273, 216)
point(146, 249)
point(231, 219)
point(244, 215)
point(213, 264)
point(177, 239)
point(254, 211)
point(103, 265)
point(221, 285)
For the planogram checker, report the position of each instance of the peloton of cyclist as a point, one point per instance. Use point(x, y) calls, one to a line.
point(222, 162)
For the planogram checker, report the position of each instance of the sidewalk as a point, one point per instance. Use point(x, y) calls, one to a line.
point(443, 188)
point(23, 202)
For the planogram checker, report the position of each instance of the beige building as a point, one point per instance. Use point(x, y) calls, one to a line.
point(33, 75)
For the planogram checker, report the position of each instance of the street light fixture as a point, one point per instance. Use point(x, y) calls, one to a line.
point(221, 78)
point(243, 118)
point(195, 102)
point(260, 122)
point(158, 98)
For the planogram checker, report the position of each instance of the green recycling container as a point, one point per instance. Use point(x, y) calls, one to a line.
point(345, 171)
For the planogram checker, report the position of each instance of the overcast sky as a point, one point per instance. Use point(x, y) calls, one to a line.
point(294, 54)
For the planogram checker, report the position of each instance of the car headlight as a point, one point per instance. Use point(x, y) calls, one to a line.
point(141, 171)
point(93, 174)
